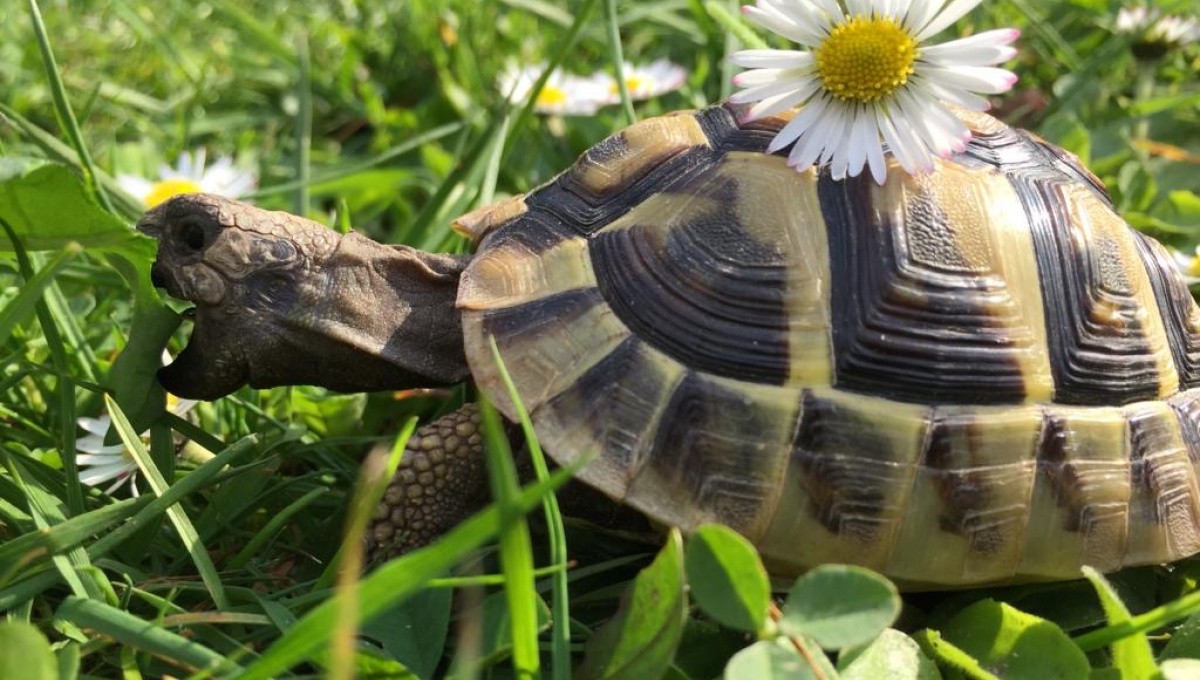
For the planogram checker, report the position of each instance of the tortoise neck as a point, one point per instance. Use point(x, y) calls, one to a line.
point(378, 317)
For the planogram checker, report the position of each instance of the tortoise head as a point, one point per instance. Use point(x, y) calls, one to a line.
point(282, 300)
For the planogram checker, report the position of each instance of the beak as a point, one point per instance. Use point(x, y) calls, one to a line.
point(151, 223)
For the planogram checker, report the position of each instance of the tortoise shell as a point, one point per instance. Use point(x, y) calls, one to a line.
point(982, 374)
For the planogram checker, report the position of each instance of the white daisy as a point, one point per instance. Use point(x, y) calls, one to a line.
point(1156, 33)
point(1135, 19)
point(646, 81)
point(868, 81)
point(1189, 265)
point(99, 463)
point(1173, 30)
point(190, 176)
point(563, 94)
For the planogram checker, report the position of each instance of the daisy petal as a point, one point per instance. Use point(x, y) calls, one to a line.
point(828, 7)
point(920, 12)
point(891, 105)
point(982, 79)
point(764, 91)
point(761, 76)
point(862, 130)
point(797, 125)
point(777, 23)
point(773, 105)
point(956, 10)
point(953, 95)
point(94, 425)
point(777, 59)
point(122, 479)
point(103, 473)
point(105, 458)
point(995, 38)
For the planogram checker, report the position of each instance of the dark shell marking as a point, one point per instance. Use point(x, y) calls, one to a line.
point(969, 377)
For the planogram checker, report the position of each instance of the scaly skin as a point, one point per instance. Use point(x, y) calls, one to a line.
point(281, 300)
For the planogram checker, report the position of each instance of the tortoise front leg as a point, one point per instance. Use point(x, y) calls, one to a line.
point(442, 479)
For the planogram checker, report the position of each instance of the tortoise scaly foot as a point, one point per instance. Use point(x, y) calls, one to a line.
point(441, 480)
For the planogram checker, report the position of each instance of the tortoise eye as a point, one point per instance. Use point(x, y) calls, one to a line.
point(191, 233)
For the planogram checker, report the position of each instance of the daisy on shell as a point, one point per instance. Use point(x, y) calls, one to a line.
point(869, 81)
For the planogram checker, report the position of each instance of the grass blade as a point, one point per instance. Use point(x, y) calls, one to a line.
point(65, 387)
point(41, 507)
point(349, 169)
point(395, 581)
point(304, 121)
point(62, 108)
point(24, 304)
point(20, 552)
point(516, 552)
point(734, 25)
point(137, 633)
point(616, 54)
point(183, 525)
point(372, 483)
point(273, 525)
point(1142, 623)
point(560, 632)
point(564, 48)
point(1131, 654)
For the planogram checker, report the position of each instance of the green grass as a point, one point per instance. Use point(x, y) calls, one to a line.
point(386, 116)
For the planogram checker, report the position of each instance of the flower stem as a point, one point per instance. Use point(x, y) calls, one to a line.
point(1143, 93)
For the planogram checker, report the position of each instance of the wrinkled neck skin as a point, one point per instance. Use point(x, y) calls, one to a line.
point(281, 300)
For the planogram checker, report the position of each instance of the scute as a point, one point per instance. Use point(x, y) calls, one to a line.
point(976, 376)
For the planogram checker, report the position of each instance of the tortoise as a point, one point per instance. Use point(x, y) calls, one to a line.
point(978, 375)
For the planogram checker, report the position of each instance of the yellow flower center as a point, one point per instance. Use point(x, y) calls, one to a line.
point(866, 58)
point(551, 97)
point(1194, 267)
point(632, 83)
point(167, 188)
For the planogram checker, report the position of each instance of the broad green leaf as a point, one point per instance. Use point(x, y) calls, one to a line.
point(840, 606)
point(769, 660)
point(892, 655)
point(414, 632)
point(1181, 669)
point(48, 206)
point(1185, 643)
point(705, 649)
point(956, 661)
point(133, 377)
point(727, 579)
point(640, 640)
point(1131, 655)
point(1012, 644)
point(25, 653)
